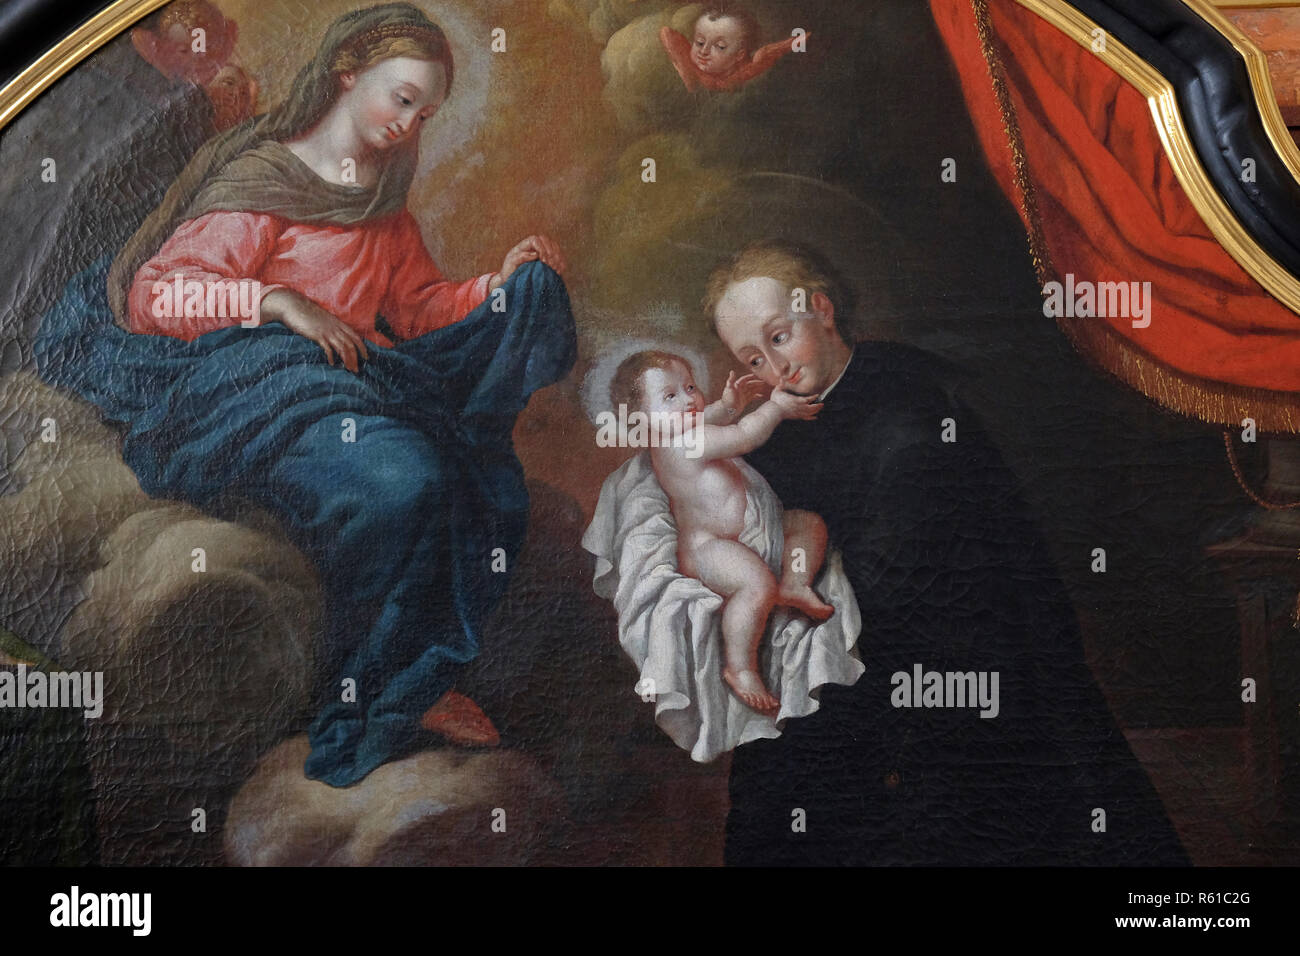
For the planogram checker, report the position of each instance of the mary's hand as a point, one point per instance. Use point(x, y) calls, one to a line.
point(530, 249)
point(321, 326)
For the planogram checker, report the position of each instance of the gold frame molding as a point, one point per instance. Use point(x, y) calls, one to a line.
point(19, 92)
point(1253, 4)
point(1197, 397)
point(1159, 93)
point(1261, 83)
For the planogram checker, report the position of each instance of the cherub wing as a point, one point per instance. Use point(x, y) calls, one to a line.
point(764, 59)
point(768, 54)
point(679, 52)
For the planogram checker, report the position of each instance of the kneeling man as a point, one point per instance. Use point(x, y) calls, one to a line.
point(977, 735)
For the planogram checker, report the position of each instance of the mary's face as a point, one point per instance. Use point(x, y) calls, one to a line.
point(799, 352)
point(389, 101)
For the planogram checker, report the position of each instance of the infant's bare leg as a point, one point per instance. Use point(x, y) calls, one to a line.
point(744, 581)
point(805, 551)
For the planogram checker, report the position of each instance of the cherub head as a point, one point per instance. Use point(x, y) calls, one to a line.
point(726, 35)
point(391, 79)
point(658, 383)
point(188, 39)
point(774, 304)
point(234, 96)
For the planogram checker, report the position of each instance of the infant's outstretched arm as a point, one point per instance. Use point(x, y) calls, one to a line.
point(727, 441)
point(718, 414)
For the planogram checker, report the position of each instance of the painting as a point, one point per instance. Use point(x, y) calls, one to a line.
point(638, 432)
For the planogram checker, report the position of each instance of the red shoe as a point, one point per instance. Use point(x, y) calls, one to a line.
point(460, 721)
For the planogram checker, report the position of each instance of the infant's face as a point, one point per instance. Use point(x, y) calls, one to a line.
point(671, 392)
point(719, 45)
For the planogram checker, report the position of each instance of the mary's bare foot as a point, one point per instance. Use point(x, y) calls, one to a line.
point(804, 598)
point(460, 721)
point(751, 690)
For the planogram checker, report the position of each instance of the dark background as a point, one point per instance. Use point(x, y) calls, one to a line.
point(30, 27)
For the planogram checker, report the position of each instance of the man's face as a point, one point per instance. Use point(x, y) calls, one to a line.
point(798, 352)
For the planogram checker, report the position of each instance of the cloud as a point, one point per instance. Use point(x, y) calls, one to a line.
point(601, 19)
point(642, 85)
point(435, 807)
point(647, 231)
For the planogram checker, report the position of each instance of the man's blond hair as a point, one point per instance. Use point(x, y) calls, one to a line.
point(793, 265)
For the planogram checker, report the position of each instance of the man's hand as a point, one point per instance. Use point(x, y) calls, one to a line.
point(313, 322)
point(528, 250)
point(803, 407)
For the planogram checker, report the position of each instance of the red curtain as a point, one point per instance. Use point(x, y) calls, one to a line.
point(1099, 199)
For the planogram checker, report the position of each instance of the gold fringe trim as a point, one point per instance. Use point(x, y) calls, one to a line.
point(1025, 195)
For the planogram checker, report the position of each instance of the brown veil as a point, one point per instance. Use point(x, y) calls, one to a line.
point(247, 169)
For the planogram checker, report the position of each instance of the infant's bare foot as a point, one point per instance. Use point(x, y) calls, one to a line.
point(749, 687)
point(804, 598)
point(460, 721)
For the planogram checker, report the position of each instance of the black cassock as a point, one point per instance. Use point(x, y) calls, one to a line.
point(951, 573)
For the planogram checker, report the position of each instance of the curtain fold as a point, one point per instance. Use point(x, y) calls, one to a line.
point(1076, 148)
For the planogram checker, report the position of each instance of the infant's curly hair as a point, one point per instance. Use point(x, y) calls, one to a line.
point(626, 387)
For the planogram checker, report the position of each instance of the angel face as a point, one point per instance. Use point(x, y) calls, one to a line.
point(389, 101)
point(672, 393)
point(172, 48)
point(234, 96)
point(719, 45)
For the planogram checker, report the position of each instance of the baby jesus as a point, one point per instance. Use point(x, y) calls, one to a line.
point(724, 54)
point(707, 496)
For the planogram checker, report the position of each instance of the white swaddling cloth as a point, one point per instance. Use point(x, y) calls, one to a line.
point(671, 625)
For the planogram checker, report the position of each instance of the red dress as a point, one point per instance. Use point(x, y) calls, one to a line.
point(378, 267)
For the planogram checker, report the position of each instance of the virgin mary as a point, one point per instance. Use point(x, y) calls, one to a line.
point(372, 406)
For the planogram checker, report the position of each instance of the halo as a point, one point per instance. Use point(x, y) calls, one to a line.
point(595, 384)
